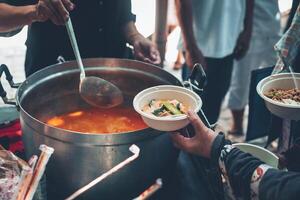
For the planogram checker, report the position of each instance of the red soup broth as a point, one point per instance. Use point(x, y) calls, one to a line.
point(97, 120)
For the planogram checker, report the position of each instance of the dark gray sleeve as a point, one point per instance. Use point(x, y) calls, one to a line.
point(239, 166)
point(280, 185)
point(125, 11)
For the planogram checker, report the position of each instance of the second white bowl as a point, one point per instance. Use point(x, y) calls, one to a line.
point(282, 81)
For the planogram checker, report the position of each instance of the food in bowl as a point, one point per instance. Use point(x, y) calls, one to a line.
point(286, 96)
point(189, 99)
point(163, 108)
point(96, 120)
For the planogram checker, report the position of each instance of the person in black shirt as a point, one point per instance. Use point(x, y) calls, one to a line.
point(248, 176)
point(102, 28)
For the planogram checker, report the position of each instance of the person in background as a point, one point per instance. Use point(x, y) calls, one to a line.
point(265, 33)
point(214, 34)
point(249, 177)
point(172, 24)
point(102, 29)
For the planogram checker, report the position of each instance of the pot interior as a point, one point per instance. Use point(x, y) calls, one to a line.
point(54, 90)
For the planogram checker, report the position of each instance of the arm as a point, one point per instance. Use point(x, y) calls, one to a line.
point(15, 17)
point(185, 19)
point(246, 173)
point(248, 21)
point(236, 165)
point(243, 41)
point(144, 49)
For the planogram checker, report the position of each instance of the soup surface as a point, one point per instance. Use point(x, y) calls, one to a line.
point(96, 120)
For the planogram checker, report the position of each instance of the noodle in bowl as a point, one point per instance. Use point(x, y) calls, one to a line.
point(288, 109)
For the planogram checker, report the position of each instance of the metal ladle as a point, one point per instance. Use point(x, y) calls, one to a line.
point(94, 90)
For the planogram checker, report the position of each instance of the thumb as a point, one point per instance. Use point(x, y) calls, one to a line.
point(180, 141)
point(196, 122)
point(153, 52)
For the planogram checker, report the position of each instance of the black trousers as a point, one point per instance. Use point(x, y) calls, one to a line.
point(218, 81)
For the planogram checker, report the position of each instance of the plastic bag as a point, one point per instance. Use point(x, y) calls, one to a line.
point(13, 172)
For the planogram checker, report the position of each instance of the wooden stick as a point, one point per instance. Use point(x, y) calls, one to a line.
point(150, 191)
point(133, 148)
point(39, 170)
point(26, 183)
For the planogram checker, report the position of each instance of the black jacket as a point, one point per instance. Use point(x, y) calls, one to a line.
point(240, 166)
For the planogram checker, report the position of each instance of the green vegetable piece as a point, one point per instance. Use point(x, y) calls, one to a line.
point(172, 108)
point(151, 102)
point(178, 106)
point(158, 111)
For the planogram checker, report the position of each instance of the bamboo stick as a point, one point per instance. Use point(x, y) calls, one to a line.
point(150, 191)
point(39, 170)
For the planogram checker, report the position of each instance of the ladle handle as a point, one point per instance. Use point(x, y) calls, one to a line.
point(74, 44)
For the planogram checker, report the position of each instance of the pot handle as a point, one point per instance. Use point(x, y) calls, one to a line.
point(197, 79)
point(196, 82)
point(60, 59)
point(9, 78)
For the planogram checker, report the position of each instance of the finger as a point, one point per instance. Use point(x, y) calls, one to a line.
point(60, 9)
point(147, 60)
point(196, 122)
point(156, 61)
point(153, 51)
point(138, 53)
point(45, 10)
point(55, 18)
point(69, 5)
point(153, 61)
point(140, 56)
point(181, 141)
point(240, 53)
point(155, 56)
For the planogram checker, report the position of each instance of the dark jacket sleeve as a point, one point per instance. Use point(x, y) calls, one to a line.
point(280, 185)
point(240, 166)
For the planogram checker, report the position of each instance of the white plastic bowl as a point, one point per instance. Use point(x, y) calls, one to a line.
point(171, 123)
point(282, 81)
point(261, 153)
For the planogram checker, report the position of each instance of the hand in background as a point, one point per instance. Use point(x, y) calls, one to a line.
point(55, 10)
point(242, 45)
point(145, 50)
point(194, 55)
point(201, 143)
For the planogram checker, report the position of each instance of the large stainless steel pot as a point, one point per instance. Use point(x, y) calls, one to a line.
point(79, 158)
